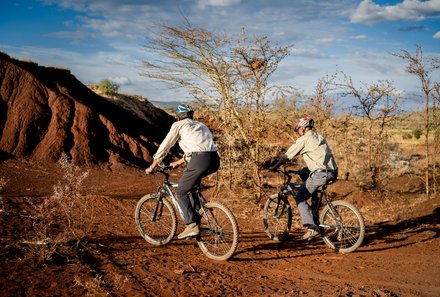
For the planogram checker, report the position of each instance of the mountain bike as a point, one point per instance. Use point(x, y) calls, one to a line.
point(340, 223)
point(157, 223)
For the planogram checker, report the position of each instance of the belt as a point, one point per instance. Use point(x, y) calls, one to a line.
point(187, 156)
point(325, 170)
point(202, 153)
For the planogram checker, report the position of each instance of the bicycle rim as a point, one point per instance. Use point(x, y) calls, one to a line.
point(277, 222)
point(345, 229)
point(219, 232)
point(156, 227)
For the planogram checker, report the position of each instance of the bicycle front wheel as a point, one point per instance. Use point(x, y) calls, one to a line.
point(344, 227)
point(155, 220)
point(277, 218)
point(219, 232)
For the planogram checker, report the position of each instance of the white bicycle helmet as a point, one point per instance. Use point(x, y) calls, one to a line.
point(303, 123)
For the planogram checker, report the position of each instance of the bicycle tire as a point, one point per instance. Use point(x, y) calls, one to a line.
point(218, 240)
point(160, 231)
point(344, 231)
point(277, 228)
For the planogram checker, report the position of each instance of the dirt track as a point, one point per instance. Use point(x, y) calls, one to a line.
point(400, 255)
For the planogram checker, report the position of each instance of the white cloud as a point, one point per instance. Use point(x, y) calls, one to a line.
point(72, 35)
point(329, 40)
point(121, 80)
point(205, 3)
point(360, 37)
point(370, 12)
point(437, 35)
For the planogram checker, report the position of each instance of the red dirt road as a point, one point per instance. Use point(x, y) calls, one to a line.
point(400, 255)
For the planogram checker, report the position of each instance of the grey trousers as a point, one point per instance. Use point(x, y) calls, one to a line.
point(311, 182)
point(200, 165)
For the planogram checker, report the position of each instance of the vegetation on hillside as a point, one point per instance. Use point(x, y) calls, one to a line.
point(108, 87)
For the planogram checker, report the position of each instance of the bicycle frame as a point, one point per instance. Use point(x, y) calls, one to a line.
point(287, 188)
point(292, 188)
point(167, 187)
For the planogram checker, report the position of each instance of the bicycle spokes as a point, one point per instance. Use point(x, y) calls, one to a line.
point(343, 226)
point(277, 218)
point(218, 238)
point(155, 220)
point(157, 214)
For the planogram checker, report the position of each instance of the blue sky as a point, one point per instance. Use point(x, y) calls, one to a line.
point(98, 39)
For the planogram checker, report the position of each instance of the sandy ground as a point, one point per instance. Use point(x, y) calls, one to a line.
point(399, 257)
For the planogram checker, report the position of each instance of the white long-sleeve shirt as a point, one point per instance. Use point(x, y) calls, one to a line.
point(193, 137)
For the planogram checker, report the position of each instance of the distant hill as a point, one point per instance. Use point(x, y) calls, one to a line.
point(167, 103)
point(46, 111)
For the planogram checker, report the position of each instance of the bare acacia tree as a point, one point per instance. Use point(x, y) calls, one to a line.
point(284, 112)
point(378, 104)
point(423, 68)
point(232, 74)
point(321, 105)
point(436, 127)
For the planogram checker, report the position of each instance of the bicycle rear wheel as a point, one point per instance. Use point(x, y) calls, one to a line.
point(155, 220)
point(219, 232)
point(344, 229)
point(277, 220)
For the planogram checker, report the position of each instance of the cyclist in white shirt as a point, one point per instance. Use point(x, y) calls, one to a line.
point(200, 154)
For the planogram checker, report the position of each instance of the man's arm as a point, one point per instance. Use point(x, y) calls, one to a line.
point(283, 159)
point(169, 141)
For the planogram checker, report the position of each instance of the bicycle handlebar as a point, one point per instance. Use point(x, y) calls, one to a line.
point(287, 172)
point(162, 169)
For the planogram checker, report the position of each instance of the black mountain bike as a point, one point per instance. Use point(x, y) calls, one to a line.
point(340, 223)
point(157, 223)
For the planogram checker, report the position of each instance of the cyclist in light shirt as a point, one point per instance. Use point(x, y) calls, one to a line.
point(321, 168)
point(200, 154)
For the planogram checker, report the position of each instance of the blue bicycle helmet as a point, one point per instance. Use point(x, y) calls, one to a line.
point(184, 111)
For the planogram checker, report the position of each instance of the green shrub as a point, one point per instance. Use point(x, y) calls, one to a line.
point(108, 87)
point(417, 133)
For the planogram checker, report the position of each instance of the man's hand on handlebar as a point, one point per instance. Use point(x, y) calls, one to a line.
point(155, 166)
point(177, 163)
point(152, 168)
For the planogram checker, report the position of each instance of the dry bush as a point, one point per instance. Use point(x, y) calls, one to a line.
point(77, 210)
point(64, 217)
point(44, 237)
point(97, 286)
point(93, 287)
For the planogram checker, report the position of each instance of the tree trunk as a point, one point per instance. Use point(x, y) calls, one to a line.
point(427, 144)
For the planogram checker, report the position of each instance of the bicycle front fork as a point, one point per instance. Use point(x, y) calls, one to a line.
point(277, 213)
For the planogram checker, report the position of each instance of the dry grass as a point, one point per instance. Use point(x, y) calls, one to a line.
point(93, 287)
point(64, 217)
